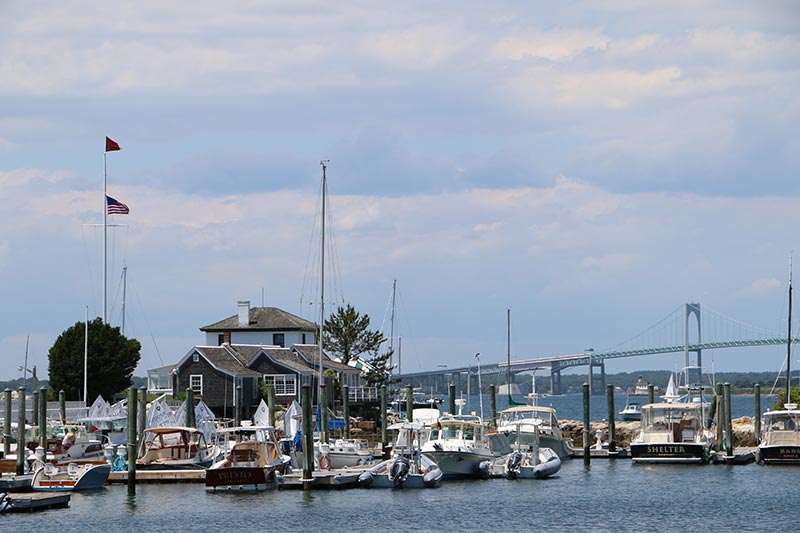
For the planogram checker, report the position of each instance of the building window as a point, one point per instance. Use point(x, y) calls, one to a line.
point(220, 339)
point(304, 339)
point(285, 384)
point(277, 339)
point(195, 357)
point(196, 383)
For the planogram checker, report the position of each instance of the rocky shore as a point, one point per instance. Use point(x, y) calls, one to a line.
point(743, 431)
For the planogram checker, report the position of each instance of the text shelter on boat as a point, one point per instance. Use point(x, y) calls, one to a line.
point(672, 433)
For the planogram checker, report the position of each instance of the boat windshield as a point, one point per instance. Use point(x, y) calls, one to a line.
point(454, 432)
point(782, 421)
point(509, 417)
point(661, 418)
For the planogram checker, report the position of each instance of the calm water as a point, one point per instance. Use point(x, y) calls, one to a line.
point(608, 496)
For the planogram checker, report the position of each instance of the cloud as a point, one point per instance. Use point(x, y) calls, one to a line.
point(766, 284)
point(554, 45)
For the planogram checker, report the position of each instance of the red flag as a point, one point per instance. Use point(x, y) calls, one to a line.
point(111, 146)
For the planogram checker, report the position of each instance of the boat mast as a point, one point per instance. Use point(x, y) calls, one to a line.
point(322, 280)
point(124, 293)
point(105, 236)
point(480, 390)
point(391, 326)
point(789, 342)
point(508, 353)
point(86, 359)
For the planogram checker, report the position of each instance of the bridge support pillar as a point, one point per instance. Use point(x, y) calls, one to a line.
point(555, 379)
point(597, 382)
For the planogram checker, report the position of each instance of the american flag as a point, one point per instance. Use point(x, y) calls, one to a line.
point(116, 207)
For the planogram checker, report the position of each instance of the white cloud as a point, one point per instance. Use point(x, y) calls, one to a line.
point(766, 284)
point(555, 45)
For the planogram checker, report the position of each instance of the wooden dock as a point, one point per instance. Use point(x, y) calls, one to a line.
point(594, 453)
point(160, 476)
point(37, 501)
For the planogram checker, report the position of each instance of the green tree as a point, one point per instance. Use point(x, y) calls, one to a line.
point(347, 334)
point(111, 360)
point(379, 371)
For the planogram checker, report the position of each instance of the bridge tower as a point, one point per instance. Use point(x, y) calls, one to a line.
point(694, 371)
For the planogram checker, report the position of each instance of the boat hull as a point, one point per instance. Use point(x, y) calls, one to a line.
point(241, 478)
point(654, 452)
point(555, 443)
point(779, 455)
point(94, 477)
point(455, 464)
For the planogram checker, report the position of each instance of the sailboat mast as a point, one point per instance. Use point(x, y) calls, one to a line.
point(391, 326)
point(124, 294)
point(86, 359)
point(322, 280)
point(508, 353)
point(789, 341)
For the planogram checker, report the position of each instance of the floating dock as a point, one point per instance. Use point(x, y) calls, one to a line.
point(37, 501)
point(345, 478)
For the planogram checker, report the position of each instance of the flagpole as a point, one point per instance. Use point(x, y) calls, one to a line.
point(105, 235)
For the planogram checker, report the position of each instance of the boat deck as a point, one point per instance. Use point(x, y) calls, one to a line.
point(160, 476)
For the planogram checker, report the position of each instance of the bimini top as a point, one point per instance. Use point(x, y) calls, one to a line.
point(688, 406)
point(172, 429)
point(529, 409)
point(460, 419)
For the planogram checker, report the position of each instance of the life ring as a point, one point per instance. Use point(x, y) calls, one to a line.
point(324, 462)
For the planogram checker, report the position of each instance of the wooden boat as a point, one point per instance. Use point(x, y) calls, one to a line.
point(252, 461)
point(52, 478)
point(174, 448)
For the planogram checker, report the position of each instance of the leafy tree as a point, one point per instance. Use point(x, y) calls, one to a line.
point(347, 334)
point(111, 360)
point(379, 371)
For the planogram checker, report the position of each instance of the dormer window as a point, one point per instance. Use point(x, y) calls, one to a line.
point(195, 357)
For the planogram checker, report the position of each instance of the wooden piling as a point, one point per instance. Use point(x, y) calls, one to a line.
point(452, 404)
point(384, 418)
point(308, 436)
point(323, 413)
point(651, 393)
point(757, 418)
point(190, 422)
point(586, 423)
point(21, 432)
point(720, 416)
point(711, 413)
point(271, 404)
point(492, 407)
point(62, 406)
point(346, 410)
point(728, 421)
point(141, 423)
point(237, 409)
point(43, 418)
point(35, 409)
point(612, 430)
point(132, 451)
point(7, 424)
point(410, 402)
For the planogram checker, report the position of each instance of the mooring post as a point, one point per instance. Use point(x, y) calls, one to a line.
point(21, 431)
point(711, 413)
point(323, 410)
point(132, 452)
point(728, 420)
point(346, 409)
point(757, 418)
point(452, 404)
point(141, 413)
point(308, 437)
point(35, 408)
point(410, 402)
point(237, 409)
point(720, 416)
point(62, 405)
point(271, 404)
point(190, 422)
point(651, 393)
point(612, 430)
point(586, 422)
point(7, 424)
point(384, 438)
point(493, 406)
point(43, 418)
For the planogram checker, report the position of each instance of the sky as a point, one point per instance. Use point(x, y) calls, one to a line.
point(591, 166)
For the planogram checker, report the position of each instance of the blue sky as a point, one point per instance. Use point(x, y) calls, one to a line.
point(591, 165)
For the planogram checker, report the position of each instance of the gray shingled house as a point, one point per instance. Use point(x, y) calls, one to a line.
point(265, 326)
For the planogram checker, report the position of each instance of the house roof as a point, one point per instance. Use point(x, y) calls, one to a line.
point(264, 319)
point(310, 353)
point(226, 358)
point(289, 359)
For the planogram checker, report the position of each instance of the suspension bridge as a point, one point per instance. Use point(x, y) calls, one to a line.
point(689, 329)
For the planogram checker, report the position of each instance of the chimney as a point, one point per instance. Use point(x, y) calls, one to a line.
point(244, 313)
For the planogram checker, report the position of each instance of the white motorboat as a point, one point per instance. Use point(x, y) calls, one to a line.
point(672, 433)
point(407, 468)
point(171, 448)
point(528, 461)
point(530, 420)
point(52, 478)
point(344, 453)
point(458, 445)
point(252, 460)
point(632, 411)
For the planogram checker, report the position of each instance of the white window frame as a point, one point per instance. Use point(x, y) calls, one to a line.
point(284, 384)
point(197, 388)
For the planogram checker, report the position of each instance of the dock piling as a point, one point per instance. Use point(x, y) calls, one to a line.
point(720, 416)
point(410, 402)
point(452, 404)
point(651, 393)
point(586, 454)
point(271, 404)
point(308, 436)
point(141, 413)
point(757, 418)
point(190, 423)
point(35, 408)
point(62, 405)
point(132, 452)
point(728, 421)
point(492, 406)
point(323, 413)
point(21, 432)
point(43, 418)
point(7, 425)
point(612, 430)
point(237, 409)
point(346, 410)
point(384, 419)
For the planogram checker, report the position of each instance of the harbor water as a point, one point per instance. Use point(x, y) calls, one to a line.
point(610, 495)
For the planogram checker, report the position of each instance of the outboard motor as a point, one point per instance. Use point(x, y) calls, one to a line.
point(513, 465)
point(399, 469)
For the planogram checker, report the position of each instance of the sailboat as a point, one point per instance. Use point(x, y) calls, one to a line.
point(509, 386)
point(780, 439)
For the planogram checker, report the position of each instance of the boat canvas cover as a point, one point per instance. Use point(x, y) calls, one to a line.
point(261, 416)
